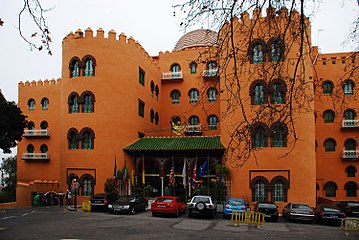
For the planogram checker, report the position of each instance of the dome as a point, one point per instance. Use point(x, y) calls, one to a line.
point(196, 38)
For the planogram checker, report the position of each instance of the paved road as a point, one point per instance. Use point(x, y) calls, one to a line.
point(55, 223)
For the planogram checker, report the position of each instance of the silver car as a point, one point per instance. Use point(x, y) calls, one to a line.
point(298, 211)
point(202, 205)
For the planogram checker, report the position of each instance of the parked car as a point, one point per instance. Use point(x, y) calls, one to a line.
point(328, 214)
point(350, 208)
point(100, 201)
point(298, 211)
point(233, 204)
point(202, 205)
point(269, 209)
point(168, 205)
point(128, 204)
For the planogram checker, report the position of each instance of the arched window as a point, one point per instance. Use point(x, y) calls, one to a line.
point(276, 50)
point(88, 101)
point(73, 139)
point(89, 67)
point(30, 148)
point(212, 122)
point(44, 103)
point(328, 87)
point(157, 118)
point(176, 70)
point(31, 104)
point(351, 171)
point(152, 86)
point(257, 53)
point(258, 92)
point(73, 102)
point(350, 144)
point(193, 96)
point(330, 189)
point(44, 125)
point(43, 148)
point(351, 189)
point(157, 92)
point(329, 145)
point(279, 133)
point(277, 89)
point(87, 140)
point(193, 67)
point(212, 95)
point(193, 120)
point(175, 96)
point(30, 125)
point(87, 186)
point(328, 116)
point(259, 136)
point(152, 115)
point(278, 193)
point(259, 192)
point(74, 68)
point(348, 87)
point(349, 114)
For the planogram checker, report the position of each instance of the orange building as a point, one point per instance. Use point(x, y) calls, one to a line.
point(115, 103)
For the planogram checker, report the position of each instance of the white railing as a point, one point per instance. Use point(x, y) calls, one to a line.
point(193, 128)
point(172, 75)
point(36, 133)
point(350, 154)
point(43, 156)
point(210, 73)
point(350, 123)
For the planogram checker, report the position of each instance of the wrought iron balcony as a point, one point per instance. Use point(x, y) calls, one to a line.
point(210, 73)
point(193, 129)
point(36, 133)
point(172, 75)
point(350, 154)
point(35, 156)
point(353, 123)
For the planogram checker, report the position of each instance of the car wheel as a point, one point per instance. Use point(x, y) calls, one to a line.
point(177, 213)
point(190, 213)
point(133, 210)
point(154, 214)
point(200, 206)
point(213, 214)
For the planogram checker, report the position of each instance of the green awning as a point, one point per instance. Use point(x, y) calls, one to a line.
point(176, 144)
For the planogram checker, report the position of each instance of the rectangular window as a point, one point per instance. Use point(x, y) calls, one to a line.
point(324, 63)
point(334, 62)
point(141, 77)
point(141, 108)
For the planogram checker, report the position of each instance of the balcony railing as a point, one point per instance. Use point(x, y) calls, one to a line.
point(36, 133)
point(208, 73)
point(350, 123)
point(193, 129)
point(35, 156)
point(350, 154)
point(172, 75)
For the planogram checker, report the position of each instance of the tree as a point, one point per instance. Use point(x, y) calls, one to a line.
point(8, 179)
point(271, 56)
point(12, 124)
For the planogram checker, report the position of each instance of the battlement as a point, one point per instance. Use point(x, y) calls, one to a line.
point(111, 36)
point(34, 83)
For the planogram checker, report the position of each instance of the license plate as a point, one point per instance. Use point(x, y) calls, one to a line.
point(267, 215)
point(334, 216)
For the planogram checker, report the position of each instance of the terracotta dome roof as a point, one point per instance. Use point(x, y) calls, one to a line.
point(200, 37)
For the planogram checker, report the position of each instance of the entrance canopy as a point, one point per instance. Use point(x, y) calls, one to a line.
point(177, 144)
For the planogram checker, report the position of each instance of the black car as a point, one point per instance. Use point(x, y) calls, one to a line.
point(269, 209)
point(100, 201)
point(328, 214)
point(128, 204)
point(350, 208)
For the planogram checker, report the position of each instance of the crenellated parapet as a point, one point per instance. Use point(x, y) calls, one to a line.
point(112, 36)
point(40, 83)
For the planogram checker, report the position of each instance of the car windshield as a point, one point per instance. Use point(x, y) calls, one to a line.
point(200, 199)
point(235, 202)
point(126, 199)
point(164, 200)
point(330, 209)
point(300, 206)
point(266, 205)
point(353, 204)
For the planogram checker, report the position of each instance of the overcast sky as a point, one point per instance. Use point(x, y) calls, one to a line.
point(151, 23)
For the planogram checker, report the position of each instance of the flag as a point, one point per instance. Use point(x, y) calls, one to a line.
point(172, 176)
point(124, 169)
point(194, 176)
point(204, 169)
point(143, 170)
point(184, 174)
point(115, 170)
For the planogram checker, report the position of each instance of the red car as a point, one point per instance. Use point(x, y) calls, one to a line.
point(168, 205)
